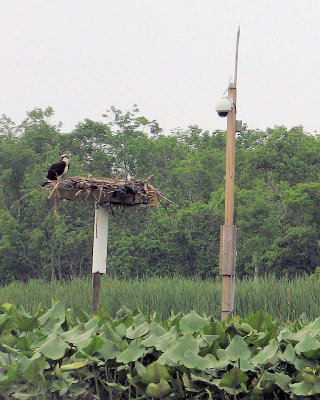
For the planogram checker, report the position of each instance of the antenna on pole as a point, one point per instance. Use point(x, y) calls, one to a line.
point(236, 58)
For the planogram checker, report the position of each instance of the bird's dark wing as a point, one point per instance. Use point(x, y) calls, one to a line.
point(56, 170)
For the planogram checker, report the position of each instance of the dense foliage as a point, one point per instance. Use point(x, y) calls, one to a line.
point(57, 354)
point(277, 199)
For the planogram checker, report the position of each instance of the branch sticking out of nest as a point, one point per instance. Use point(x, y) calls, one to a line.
point(105, 191)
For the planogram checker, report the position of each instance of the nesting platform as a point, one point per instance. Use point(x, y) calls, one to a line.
point(105, 192)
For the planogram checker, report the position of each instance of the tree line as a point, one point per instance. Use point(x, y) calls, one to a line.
point(277, 198)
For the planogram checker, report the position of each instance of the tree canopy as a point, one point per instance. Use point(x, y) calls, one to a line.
point(277, 198)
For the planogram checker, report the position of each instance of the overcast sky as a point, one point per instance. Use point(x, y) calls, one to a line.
point(172, 58)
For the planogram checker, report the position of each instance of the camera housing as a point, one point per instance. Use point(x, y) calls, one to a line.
point(224, 105)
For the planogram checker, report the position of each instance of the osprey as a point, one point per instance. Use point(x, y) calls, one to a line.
point(58, 170)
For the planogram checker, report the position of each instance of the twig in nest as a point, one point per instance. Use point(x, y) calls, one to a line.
point(54, 189)
point(148, 179)
point(166, 198)
point(166, 209)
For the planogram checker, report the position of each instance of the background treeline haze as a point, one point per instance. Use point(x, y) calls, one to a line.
point(277, 199)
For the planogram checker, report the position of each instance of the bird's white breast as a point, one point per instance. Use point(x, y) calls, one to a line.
point(66, 169)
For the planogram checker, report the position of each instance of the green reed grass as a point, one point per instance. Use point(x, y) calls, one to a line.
point(284, 299)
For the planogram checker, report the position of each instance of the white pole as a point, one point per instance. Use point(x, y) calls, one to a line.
point(100, 240)
point(100, 248)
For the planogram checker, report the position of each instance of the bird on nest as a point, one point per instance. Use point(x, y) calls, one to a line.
point(57, 171)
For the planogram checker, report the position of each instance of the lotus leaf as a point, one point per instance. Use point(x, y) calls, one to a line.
point(159, 390)
point(192, 323)
point(309, 346)
point(154, 372)
point(237, 348)
point(132, 353)
point(134, 332)
point(233, 379)
point(265, 354)
point(53, 318)
point(54, 347)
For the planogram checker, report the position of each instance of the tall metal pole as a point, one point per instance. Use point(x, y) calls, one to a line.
point(228, 236)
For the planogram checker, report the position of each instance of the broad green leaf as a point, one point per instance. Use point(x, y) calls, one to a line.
point(156, 329)
point(4, 319)
point(132, 353)
point(279, 379)
point(24, 343)
point(32, 369)
point(139, 367)
point(285, 333)
point(233, 379)
point(54, 347)
point(314, 326)
point(192, 323)
point(53, 318)
point(12, 374)
point(69, 336)
point(159, 390)
point(260, 320)
point(208, 339)
point(192, 360)
point(121, 330)
point(163, 342)
point(91, 323)
point(6, 307)
point(154, 372)
point(8, 339)
point(309, 346)
point(83, 340)
point(290, 354)
point(26, 321)
point(135, 332)
point(237, 348)
point(138, 317)
point(109, 350)
point(303, 362)
point(177, 352)
point(245, 365)
point(222, 362)
point(59, 386)
point(304, 388)
point(110, 334)
point(265, 354)
point(94, 346)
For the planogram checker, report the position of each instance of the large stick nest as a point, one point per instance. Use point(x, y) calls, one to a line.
point(105, 191)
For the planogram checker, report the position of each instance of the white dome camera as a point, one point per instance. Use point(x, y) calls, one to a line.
point(224, 105)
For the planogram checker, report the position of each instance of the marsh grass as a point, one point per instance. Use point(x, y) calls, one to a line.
point(284, 299)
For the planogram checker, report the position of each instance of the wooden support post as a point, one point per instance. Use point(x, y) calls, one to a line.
point(228, 230)
point(228, 237)
point(96, 289)
point(99, 259)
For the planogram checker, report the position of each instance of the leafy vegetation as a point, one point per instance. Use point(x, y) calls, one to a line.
point(277, 199)
point(59, 354)
point(283, 299)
